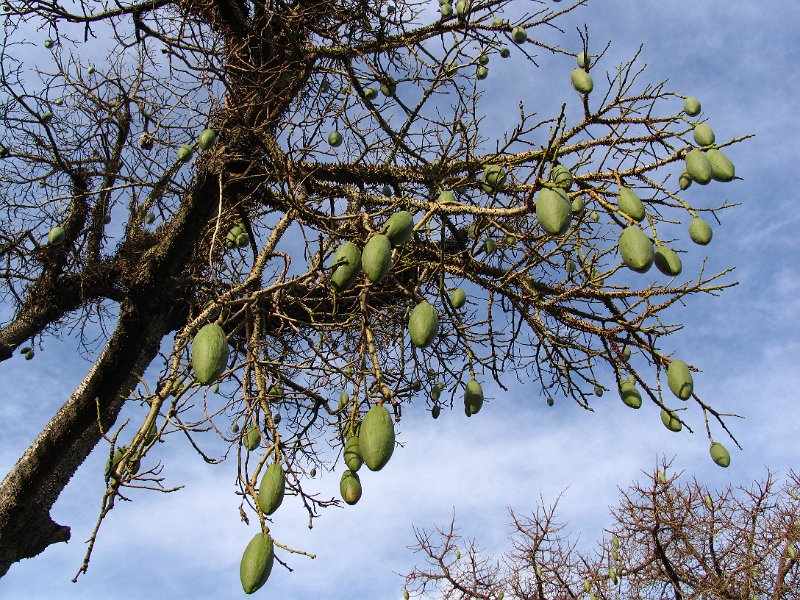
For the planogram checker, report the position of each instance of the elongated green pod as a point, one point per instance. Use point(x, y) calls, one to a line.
point(423, 324)
point(553, 211)
point(630, 203)
point(636, 249)
point(719, 454)
point(272, 489)
point(376, 260)
point(698, 166)
point(350, 487)
point(345, 266)
point(700, 231)
point(667, 261)
point(376, 438)
point(680, 379)
point(582, 81)
point(256, 564)
point(473, 397)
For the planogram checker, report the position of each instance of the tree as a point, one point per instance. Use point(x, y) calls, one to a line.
point(668, 541)
point(528, 224)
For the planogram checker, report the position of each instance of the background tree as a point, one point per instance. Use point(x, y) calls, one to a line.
point(668, 541)
point(289, 75)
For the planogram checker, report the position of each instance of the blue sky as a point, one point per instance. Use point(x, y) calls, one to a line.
point(739, 59)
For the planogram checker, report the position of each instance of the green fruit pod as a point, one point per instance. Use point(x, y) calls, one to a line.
point(636, 249)
point(481, 72)
point(242, 240)
point(207, 139)
point(494, 176)
point(90, 70)
point(598, 391)
point(389, 87)
point(519, 35)
point(423, 324)
point(149, 218)
point(667, 261)
point(376, 260)
point(350, 487)
point(352, 454)
point(185, 153)
point(272, 489)
point(553, 211)
point(335, 139)
point(447, 197)
point(703, 135)
point(25, 350)
point(473, 397)
point(698, 166)
point(720, 454)
point(626, 353)
point(209, 353)
point(583, 60)
point(398, 227)
point(489, 246)
point(700, 231)
point(670, 421)
point(594, 216)
point(684, 181)
point(505, 52)
point(48, 43)
point(256, 563)
point(582, 81)
point(630, 203)
point(570, 265)
point(252, 439)
point(550, 401)
point(483, 59)
point(447, 9)
point(457, 298)
point(722, 168)
point(376, 438)
point(435, 411)
point(562, 177)
point(344, 400)
point(345, 266)
point(691, 106)
point(578, 204)
point(463, 6)
point(680, 380)
point(370, 93)
point(630, 395)
point(56, 236)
